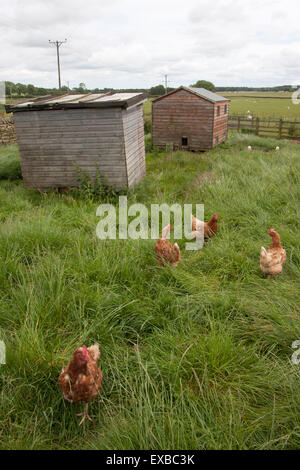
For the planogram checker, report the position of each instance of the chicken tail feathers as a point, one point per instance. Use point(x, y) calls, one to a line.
point(165, 231)
point(213, 220)
point(94, 351)
point(263, 252)
point(177, 249)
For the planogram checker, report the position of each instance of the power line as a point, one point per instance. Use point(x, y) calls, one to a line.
point(58, 44)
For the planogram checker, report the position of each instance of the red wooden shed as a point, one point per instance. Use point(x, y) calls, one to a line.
point(189, 118)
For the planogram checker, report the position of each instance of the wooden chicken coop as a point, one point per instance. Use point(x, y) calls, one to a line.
point(63, 136)
point(189, 118)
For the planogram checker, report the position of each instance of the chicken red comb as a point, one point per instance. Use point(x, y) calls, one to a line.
point(271, 231)
point(84, 349)
point(215, 216)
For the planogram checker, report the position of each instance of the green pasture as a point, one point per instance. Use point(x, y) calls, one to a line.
point(194, 357)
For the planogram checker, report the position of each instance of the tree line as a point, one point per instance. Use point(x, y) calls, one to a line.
point(18, 90)
point(245, 88)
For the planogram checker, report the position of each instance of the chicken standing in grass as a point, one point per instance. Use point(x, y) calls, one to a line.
point(166, 252)
point(81, 379)
point(209, 228)
point(272, 260)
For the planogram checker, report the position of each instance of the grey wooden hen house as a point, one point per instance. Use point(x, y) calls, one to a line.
point(63, 136)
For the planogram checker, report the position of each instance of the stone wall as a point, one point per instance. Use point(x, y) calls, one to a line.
point(7, 130)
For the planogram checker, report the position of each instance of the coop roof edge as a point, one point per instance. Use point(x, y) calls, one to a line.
point(201, 92)
point(49, 103)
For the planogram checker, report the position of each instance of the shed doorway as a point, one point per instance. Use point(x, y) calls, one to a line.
point(184, 142)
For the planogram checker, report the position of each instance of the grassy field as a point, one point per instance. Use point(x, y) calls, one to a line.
point(264, 107)
point(242, 102)
point(270, 94)
point(148, 108)
point(197, 357)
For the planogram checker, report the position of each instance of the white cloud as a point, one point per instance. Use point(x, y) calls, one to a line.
point(128, 44)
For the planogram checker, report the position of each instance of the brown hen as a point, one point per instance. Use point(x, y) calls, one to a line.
point(272, 260)
point(210, 228)
point(81, 379)
point(166, 252)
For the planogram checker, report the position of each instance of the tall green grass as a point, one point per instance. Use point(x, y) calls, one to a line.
point(195, 357)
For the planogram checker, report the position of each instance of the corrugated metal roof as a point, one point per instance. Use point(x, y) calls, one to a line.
point(64, 99)
point(118, 97)
point(206, 94)
point(87, 100)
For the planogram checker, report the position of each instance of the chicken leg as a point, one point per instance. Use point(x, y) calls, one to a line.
point(84, 415)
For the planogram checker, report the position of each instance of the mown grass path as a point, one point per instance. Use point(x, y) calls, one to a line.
point(197, 357)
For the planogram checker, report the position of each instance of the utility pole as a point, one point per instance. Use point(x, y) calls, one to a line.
point(58, 44)
point(166, 84)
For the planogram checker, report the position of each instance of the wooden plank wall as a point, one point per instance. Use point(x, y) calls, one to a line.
point(182, 114)
point(133, 124)
point(220, 123)
point(54, 144)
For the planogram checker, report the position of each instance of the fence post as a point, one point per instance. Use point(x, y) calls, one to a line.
point(280, 129)
point(257, 126)
point(239, 124)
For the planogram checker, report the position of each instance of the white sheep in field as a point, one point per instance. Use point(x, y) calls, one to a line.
point(249, 148)
point(277, 148)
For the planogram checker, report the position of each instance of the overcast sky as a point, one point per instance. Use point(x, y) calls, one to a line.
point(133, 43)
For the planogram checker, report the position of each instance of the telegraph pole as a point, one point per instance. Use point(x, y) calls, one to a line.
point(58, 44)
point(166, 84)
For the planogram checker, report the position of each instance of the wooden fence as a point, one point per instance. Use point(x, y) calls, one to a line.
point(276, 128)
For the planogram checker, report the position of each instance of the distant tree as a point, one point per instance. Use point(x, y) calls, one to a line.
point(21, 89)
point(81, 88)
point(11, 89)
point(65, 89)
point(30, 90)
point(41, 91)
point(205, 84)
point(157, 90)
